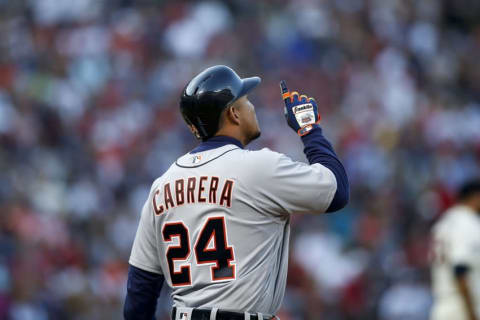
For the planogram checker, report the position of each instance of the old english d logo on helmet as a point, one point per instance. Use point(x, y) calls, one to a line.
point(208, 94)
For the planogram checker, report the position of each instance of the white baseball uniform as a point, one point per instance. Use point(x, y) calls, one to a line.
point(216, 225)
point(456, 240)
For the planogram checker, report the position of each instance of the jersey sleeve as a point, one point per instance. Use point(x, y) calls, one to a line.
point(463, 243)
point(286, 186)
point(144, 252)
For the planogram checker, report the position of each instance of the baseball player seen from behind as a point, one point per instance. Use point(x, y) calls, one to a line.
point(456, 258)
point(216, 224)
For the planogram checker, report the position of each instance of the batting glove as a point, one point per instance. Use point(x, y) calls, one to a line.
point(300, 112)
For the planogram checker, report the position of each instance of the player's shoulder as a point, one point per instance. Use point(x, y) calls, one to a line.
point(458, 218)
point(263, 160)
point(461, 213)
point(264, 156)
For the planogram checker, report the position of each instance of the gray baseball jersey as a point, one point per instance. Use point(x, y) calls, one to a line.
point(216, 225)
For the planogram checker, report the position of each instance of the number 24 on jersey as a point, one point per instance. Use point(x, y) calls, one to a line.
point(219, 256)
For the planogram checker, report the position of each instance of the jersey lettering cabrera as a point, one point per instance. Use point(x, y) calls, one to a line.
point(456, 239)
point(216, 225)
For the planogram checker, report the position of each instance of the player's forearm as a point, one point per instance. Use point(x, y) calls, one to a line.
point(319, 150)
point(465, 293)
point(143, 289)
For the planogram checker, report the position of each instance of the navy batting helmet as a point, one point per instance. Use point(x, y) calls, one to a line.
point(208, 94)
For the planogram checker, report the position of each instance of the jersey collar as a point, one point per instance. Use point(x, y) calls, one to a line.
point(217, 142)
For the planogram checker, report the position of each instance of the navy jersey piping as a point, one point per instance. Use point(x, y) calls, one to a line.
point(188, 167)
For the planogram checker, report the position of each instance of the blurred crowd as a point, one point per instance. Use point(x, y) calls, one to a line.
point(89, 118)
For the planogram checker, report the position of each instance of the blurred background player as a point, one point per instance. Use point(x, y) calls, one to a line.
point(456, 264)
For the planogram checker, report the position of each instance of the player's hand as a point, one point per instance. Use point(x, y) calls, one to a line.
point(301, 112)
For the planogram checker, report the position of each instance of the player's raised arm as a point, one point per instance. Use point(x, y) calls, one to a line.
point(302, 116)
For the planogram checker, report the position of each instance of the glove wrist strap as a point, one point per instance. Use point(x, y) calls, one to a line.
point(307, 129)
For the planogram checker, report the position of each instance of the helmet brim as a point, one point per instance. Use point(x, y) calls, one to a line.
point(247, 85)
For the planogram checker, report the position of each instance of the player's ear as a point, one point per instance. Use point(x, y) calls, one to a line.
point(233, 114)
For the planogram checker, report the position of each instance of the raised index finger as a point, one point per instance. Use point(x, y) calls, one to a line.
point(284, 90)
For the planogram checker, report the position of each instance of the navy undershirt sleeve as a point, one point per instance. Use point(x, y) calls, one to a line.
point(319, 150)
point(143, 289)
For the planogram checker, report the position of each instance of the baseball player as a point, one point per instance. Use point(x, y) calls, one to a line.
point(456, 259)
point(216, 224)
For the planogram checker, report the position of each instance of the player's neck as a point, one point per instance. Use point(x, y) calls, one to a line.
point(235, 134)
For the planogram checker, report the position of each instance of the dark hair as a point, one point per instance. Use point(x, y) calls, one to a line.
point(469, 188)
